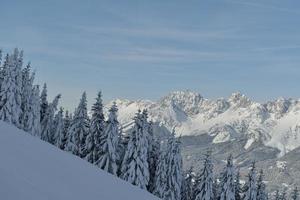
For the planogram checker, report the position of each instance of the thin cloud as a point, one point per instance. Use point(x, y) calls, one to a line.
point(266, 6)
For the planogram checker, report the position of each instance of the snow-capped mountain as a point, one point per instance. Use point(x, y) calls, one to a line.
point(275, 123)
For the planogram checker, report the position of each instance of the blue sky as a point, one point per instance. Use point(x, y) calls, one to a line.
point(145, 49)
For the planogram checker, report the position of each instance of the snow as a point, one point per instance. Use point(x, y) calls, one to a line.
point(32, 169)
point(281, 164)
point(249, 143)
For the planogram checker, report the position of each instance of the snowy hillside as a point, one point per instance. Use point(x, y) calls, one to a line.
point(275, 123)
point(32, 169)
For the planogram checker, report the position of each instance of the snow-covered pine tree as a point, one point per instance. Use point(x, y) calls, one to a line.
point(62, 142)
point(18, 63)
point(216, 188)
point(251, 184)
point(283, 195)
point(261, 187)
point(135, 168)
point(35, 127)
point(205, 185)
point(160, 175)
point(227, 181)
point(79, 129)
point(26, 95)
point(96, 130)
point(58, 127)
point(1, 68)
point(153, 160)
point(189, 177)
point(295, 194)
point(109, 140)
point(10, 104)
point(44, 102)
point(237, 186)
point(47, 123)
point(174, 168)
point(277, 195)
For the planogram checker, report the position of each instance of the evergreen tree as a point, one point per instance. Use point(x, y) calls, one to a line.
point(26, 103)
point(261, 187)
point(160, 175)
point(295, 194)
point(187, 193)
point(96, 131)
point(48, 121)
point(34, 125)
point(227, 181)
point(10, 104)
point(109, 143)
point(44, 102)
point(205, 185)
point(216, 189)
point(277, 195)
point(58, 127)
point(62, 142)
point(17, 69)
point(153, 161)
point(283, 195)
point(79, 129)
point(135, 168)
point(174, 168)
point(251, 185)
point(238, 186)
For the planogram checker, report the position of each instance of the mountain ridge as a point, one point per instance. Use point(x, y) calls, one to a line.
point(275, 123)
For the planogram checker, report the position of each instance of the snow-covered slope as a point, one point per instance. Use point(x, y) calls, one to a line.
point(32, 169)
point(275, 123)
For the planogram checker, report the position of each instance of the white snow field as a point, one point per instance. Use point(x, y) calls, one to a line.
point(31, 169)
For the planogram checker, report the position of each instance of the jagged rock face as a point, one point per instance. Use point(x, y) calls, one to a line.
point(273, 123)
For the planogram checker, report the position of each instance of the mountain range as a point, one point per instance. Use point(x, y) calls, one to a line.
point(268, 133)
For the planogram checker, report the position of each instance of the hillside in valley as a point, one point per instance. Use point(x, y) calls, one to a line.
point(33, 169)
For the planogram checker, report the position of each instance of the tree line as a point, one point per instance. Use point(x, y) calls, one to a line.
point(139, 157)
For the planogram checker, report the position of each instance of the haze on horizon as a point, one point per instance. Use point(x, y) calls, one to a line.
point(146, 49)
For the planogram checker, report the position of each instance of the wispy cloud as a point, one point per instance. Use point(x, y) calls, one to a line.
point(264, 6)
point(159, 32)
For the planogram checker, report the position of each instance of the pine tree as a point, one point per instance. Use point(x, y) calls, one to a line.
point(283, 195)
point(227, 181)
point(205, 185)
point(277, 195)
point(17, 69)
point(295, 194)
point(237, 186)
point(27, 92)
point(187, 193)
point(10, 105)
point(62, 142)
point(174, 168)
point(135, 168)
point(251, 185)
point(153, 160)
point(109, 142)
point(261, 187)
point(48, 120)
point(58, 127)
point(1, 69)
point(34, 125)
point(96, 131)
point(79, 129)
point(160, 175)
point(44, 102)
point(216, 189)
